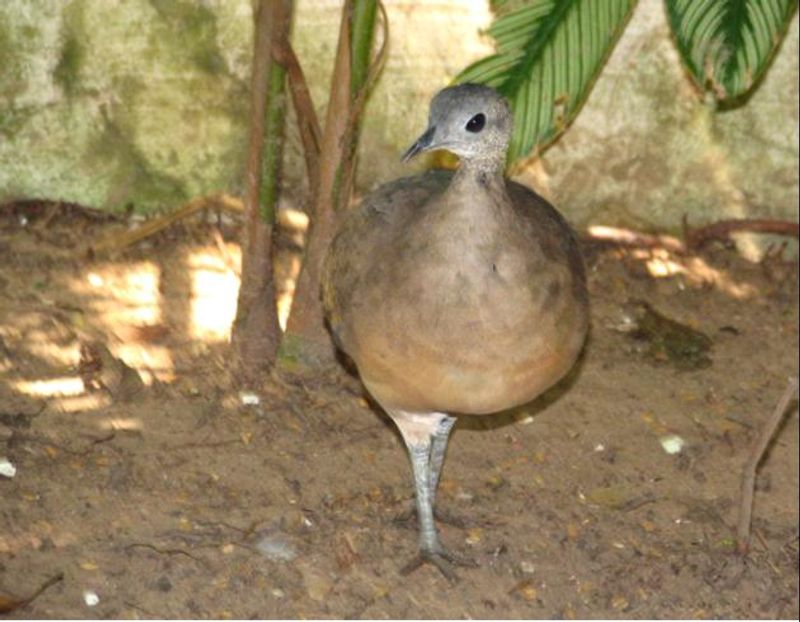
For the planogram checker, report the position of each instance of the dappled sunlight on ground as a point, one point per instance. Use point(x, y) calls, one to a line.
point(122, 296)
point(159, 313)
point(126, 293)
point(284, 299)
point(121, 423)
point(85, 402)
point(665, 257)
point(215, 287)
point(661, 263)
point(52, 387)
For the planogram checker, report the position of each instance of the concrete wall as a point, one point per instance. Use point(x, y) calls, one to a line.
point(144, 102)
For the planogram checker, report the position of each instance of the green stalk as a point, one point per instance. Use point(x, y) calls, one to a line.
point(362, 28)
point(275, 122)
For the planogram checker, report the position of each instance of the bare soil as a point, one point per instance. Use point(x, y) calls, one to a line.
point(175, 499)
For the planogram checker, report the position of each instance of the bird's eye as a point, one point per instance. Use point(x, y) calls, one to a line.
point(476, 123)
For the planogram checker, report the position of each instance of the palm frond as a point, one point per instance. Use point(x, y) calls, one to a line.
point(728, 44)
point(549, 53)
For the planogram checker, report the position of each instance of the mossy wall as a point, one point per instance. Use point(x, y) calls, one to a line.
point(112, 103)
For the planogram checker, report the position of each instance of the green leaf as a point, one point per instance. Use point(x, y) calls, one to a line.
point(728, 44)
point(549, 53)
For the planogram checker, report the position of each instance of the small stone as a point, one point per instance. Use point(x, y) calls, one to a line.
point(318, 586)
point(620, 603)
point(672, 443)
point(249, 399)
point(91, 598)
point(527, 567)
point(474, 536)
point(6, 468)
point(276, 548)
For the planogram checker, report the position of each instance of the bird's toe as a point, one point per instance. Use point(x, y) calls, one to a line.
point(443, 560)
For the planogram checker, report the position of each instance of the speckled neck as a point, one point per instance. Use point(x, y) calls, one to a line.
point(487, 173)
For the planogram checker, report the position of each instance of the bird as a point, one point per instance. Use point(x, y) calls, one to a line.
point(454, 292)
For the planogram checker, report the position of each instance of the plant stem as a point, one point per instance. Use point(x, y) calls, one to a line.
point(362, 29)
point(273, 142)
point(754, 458)
point(306, 339)
point(256, 333)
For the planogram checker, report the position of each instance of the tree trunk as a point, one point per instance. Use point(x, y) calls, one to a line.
point(306, 337)
point(256, 333)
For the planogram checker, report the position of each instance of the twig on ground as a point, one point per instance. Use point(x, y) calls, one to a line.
point(35, 438)
point(7, 605)
point(207, 444)
point(117, 242)
point(144, 545)
point(749, 471)
point(617, 236)
point(693, 239)
point(722, 230)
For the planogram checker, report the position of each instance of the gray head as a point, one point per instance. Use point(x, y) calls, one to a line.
point(470, 120)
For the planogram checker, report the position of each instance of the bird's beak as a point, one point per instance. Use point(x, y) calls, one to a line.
point(423, 143)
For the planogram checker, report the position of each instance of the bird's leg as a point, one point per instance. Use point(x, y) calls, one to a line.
point(439, 440)
point(420, 463)
point(438, 449)
point(420, 450)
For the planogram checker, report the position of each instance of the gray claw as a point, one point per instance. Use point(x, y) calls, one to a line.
point(443, 560)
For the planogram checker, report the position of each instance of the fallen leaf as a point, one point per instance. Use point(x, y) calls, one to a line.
point(608, 497)
point(9, 604)
point(526, 589)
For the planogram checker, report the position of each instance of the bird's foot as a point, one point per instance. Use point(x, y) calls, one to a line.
point(443, 516)
point(443, 560)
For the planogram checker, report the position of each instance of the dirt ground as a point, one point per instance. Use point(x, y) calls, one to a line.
point(183, 498)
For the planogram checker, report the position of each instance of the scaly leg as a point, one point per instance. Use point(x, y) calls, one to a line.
point(438, 449)
point(426, 441)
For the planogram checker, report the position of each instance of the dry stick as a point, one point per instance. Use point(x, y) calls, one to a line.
point(116, 242)
point(7, 605)
point(619, 236)
point(722, 229)
point(305, 320)
point(749, 470)
point(359, 101)
point(694, 239)
point(307, 121)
